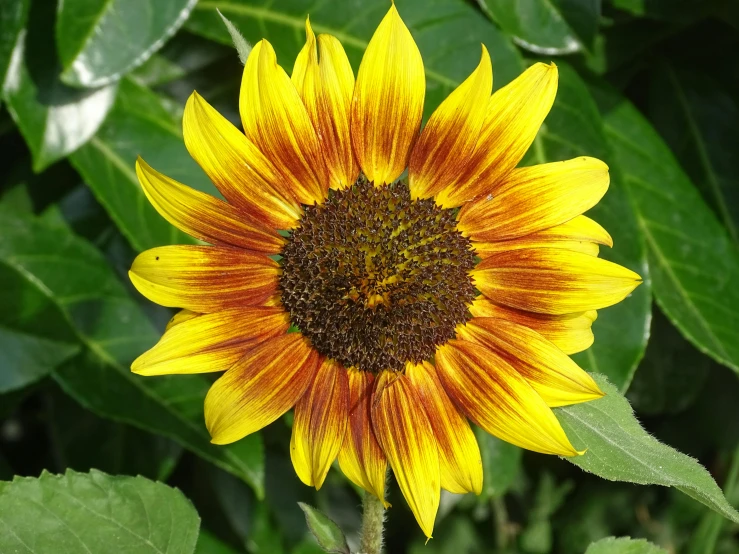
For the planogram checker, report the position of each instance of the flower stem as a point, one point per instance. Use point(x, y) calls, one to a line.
point(373, 518)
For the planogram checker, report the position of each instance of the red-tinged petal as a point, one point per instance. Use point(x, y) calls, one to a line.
point(319, 427)
point(532, 199)
point(262, 386)
point(499, 399)
point(325, 81)
point(276, 120)
point(451, 133)
point(388, 101)
point(460, 464)
point(514, 115)
point(580, 234)
point(211, 342)
point(553, 281)
point(360, 457)
point(236, 166)
point(203, 216)
point(571, 333)
point(551, 373)
point(406, 437)
point(204, 279)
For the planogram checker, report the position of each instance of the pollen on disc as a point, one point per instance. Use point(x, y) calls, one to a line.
point(374, 279)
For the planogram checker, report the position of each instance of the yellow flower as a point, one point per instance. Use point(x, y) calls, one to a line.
point(456, 295)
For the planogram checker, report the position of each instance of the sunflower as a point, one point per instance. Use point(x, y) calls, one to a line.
point(386, 312)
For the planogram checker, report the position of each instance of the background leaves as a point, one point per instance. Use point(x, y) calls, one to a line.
point(650, 87)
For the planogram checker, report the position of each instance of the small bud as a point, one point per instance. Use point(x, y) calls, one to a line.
point(327, 533)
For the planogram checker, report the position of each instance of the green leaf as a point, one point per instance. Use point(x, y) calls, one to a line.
point(209, 544)
point(54, 119)
point(139, 124)
point(700, 123)
point(541, 26)
point(99, 41)
point(693, 264)
point(574, 128)
point(326, 532)
point(501, 464)
point(78, 281)
point(82, 441)
point(671, 375)
point(26, 358)
point(13, 15)
point(448, 33)
point(95, 512)
point(619, 449)
point(242, 47)
point(624, 545)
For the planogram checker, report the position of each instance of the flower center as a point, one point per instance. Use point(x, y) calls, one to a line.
point(374, 279)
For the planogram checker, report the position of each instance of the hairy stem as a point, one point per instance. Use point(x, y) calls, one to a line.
point(373, 518)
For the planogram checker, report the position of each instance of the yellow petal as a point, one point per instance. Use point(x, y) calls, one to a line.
point(460, 465)
point(550, 372)
point(276, 120)
point(451, 133)
point(262, 386)
point(211, 342)
point(408, 441)
point(237, 167)
point(360, 457)
point(204, 279)
point(388, 101)
point(514, 115)
point(320, 421)
point(203, 216)
point(553, 281)
point(532, 199)
point(571, 333)
point(325, 81)
point(180, 317)
point(498, 399)
point(581, 234)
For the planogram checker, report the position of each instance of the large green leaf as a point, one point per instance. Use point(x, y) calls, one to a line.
point(99, 41)
point(700, 123)
point(693, 264)
point(448, 33)
point(95, 512)
point(138, 125)
point(77, 279)
point(547, 27)
point(13, 14)
point(671, 375)
point(619, 449)
point(574, 128)
point(54, 119)
point(624, 545)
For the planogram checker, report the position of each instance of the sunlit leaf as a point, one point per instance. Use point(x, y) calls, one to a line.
point(624, 545)
point(619, 449)
point(99, 41)
point(547, 27)
point(95, 512)
point(13, 14)
point(54, 119)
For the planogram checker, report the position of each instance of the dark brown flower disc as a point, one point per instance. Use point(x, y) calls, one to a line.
point(374, 279)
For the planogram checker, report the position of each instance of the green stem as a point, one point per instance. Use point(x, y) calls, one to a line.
point(373, 518)
point(500, 514)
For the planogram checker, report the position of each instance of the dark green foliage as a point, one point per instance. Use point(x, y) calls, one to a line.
point(649, 86)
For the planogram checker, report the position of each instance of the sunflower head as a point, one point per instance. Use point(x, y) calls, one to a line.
point(386, 312)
